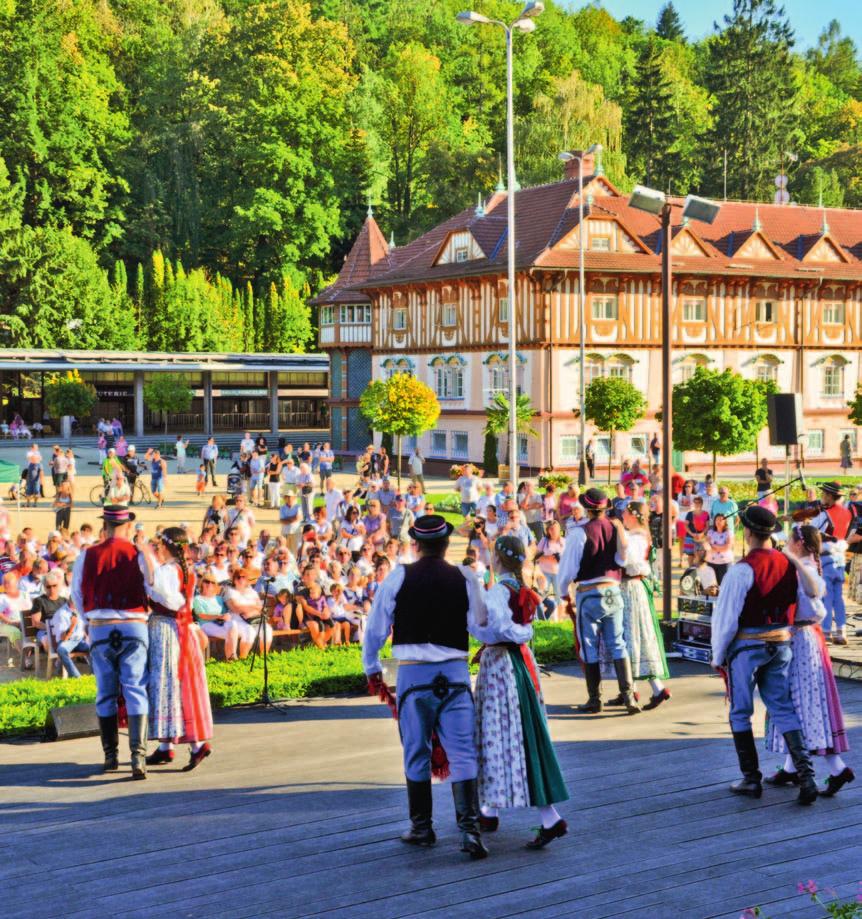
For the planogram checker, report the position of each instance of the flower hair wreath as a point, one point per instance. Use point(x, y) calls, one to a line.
point(508, 551)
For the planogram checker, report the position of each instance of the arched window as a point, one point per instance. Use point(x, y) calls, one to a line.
point(448, 376)
point(498, 374)
point(833, 377)
point(393, 365)
point(620, 365)
point(766, 368)
point(689, 364)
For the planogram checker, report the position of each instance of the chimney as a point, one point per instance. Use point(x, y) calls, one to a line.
point(571, 166)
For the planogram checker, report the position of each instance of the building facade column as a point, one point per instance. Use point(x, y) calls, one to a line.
point(273, 402)
point(208, 402)
point(139, 403)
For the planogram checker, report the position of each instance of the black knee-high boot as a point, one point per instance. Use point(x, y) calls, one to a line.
point(749, 765)
point(466, 797)
point(804, 770)
point(109, 731)
point(138, 745)
point(593, 676)
point(421, 832)
point(623, 669)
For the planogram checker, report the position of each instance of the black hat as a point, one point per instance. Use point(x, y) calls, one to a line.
point(760, 520)
point(594, 499)
point(832, 488)
point(429, 527)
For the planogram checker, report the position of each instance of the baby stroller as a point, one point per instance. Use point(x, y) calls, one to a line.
point(234, 485)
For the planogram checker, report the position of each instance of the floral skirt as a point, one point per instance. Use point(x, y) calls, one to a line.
point(641, 633)
point(163, 688)
point(815, 696)
point(518, 766)
point(856, 578)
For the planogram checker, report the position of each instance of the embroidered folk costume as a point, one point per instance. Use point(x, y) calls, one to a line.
point(180, 709)
point(641, 630)
point(812, 683)
point(833, 522)
point(108, 588)
point(429, 607)
point(517, 763)
point(593, 558)
point(751, 645)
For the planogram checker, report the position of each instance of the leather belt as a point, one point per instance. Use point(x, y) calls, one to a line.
point(583, 588)
point(781, 634)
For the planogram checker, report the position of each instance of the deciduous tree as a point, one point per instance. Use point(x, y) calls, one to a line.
point(613, 404)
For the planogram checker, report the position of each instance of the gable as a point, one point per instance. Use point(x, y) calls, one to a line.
point(825, 250)
point(459, 246)
point(601, 235)
point(685, 243)
point(757, 246)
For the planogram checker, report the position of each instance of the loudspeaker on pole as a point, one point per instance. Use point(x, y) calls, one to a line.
point(785, 418)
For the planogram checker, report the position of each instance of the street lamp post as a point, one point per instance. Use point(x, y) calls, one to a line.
point(567, 157)
point(657, 203)
point(524, 23)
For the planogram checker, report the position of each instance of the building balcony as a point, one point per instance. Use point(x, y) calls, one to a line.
point(345, 334)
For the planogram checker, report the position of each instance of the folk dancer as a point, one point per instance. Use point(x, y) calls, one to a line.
point(593, 558)
point(812, 683)
point(430, 607)
point(108, 588)
point(517, 763)
point(179, 696)
point(751, 644)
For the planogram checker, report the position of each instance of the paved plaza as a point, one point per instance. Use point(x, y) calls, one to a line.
point(298, 816)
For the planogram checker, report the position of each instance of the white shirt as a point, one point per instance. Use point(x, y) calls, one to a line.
point(469, 488)
point(381, 617)
point(180, 447)
point(246, 445)
point(209, 452)
point(331, 500)
point(165, 588)
point(500, 626)
point(725, 615)
point(60, 623)
point(570, 563)
point(415, 464)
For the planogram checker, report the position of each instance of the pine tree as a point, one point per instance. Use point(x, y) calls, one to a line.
point(669, 25)
point(650, 121)
point(249, 334)
point(749, 70)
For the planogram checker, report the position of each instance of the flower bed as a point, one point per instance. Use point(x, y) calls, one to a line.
point(296, 674)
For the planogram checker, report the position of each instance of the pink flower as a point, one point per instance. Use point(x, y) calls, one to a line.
point(749, 913)
point(807, 887)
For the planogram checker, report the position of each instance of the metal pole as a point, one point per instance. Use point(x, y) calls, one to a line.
point(582, 326)
point(666, 393)
point(513, 312)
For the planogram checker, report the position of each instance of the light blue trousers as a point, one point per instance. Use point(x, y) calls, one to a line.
point(118, 656)
point(600, 614)
point(765, 665)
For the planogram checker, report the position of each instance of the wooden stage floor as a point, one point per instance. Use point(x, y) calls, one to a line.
point(298, 816)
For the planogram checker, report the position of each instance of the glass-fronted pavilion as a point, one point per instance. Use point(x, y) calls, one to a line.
point(232, 392)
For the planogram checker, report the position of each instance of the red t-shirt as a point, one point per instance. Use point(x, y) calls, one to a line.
point(677, 482)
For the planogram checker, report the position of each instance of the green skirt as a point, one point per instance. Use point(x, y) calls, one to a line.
point(650, 592)
point(544, 778)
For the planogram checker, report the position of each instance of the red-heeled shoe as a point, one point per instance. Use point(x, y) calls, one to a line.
point(657, 700)
point(159, 757)
point(197, 758)
point(544, 836)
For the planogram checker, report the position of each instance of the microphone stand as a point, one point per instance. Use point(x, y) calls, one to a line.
point(260, 642)
point(785, 485)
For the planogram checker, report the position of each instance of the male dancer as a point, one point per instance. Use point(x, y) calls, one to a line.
point(108, 588)
point(751, 642)
point(833, 521)
point(429, 606)
point(593, 557)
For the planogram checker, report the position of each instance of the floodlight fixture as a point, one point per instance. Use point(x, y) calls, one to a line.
point(695, 208)
point(471, 18)
point(647, 199)
point(524, 25)
point(532, 9)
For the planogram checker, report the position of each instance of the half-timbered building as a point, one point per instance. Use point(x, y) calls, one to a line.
point(767, 291)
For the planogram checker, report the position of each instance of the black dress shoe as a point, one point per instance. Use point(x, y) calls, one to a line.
point(420, 836)
point(746, 786)
point(112, 763)
point(835, 783)
point(544, 836)
point(620, 699)
point(158, 757)
point(590, 707)
point(197, 758)
point(782, 777)
point(656, 700)
point(489, 824)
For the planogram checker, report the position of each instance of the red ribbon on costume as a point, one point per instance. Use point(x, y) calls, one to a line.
point(439, 759)
point(197, 713)
point(122, 711)
point(722, 671)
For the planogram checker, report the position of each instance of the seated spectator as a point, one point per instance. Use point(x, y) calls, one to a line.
point(315, 612)
point(211, 615)
point(345, 622)
point(67, 627)
point(246, 610)
point(13, 602)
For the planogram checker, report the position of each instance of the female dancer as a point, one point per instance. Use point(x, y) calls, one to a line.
point(640, 623)
point(812, 684)
point(179, 697)
point(517, 763)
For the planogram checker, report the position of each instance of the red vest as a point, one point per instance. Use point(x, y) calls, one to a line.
point(772, 599)
point(112, 579)
point(599, 558)
point(840, 517)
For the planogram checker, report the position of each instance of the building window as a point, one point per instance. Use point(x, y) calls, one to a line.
point(600, 243)
point(448, 377)
point(523, 448)
point(450, 314)
point(766, 369)
point(603, 447)
point(605, 307)
point(460, 445)
point(764, 311)
point(833, 312)
point(639, 445)
point(362, 314)
point(815, 442)
point(694, 310)
point(438, 443)
point(617, 367)
point(462, 254)
point(327, 315)
point(503, 310)
point(852, 432)
point(391, 366)
point(833, 377)
point(399, 319)
point(593, 369)
point(570, 450)
point(689, 365)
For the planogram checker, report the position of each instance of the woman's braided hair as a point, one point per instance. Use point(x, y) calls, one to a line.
point(175, 540)
point(636, 509)
point(511, 554)
point(810, 537)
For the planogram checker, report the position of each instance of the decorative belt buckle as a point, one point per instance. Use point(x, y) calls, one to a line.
point(440, 686)
point(115, 640)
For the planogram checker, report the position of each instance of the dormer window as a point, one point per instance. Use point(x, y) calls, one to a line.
point(600, 243)
point(462, 254)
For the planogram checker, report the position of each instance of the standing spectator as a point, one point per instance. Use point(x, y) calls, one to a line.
point(63, 506)
point(719, 547)
point(416, 465)
point(486, 499)
point(273, 474)
point(710, 496)
point(181, 448)
point(246, 445)
point(763, 476)
point(158, 475)
point(846, 453)
point(726, 506)
point(102, 447)
point(696, 521)
point(305, 481)
point(59, 467)
point(549, 503)
point(290, 475)
point(261, 445)
point(685, 502)
point(33, 477)
point(507, 493)
point(71, 468)
point(468, 485)
point(655, 480)
point(291, 524)
point(590, 457)
point(315, 461)
point(209, 454)
point(332, 498)
point(121, 445)
point(567, 503)
point(327, 459)
point(655, 450)
point(677, 482)
point(532, 507)
point(548, 553)
point(257, 466)
point(384, 462)
point(241, 519)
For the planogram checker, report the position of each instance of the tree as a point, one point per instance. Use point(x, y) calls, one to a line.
point(400, 406)
point(749, 71)
point(613, 404)
point(490, 463)
point(837, 58)
point(67, 394)
point(497, 419)
point(167, 393)
point(669, 25)
point(856, 406)
point(719, 412)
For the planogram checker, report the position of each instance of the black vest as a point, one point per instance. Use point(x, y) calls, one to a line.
point(431, 606)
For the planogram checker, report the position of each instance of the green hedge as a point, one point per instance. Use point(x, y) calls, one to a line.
point(296, 674)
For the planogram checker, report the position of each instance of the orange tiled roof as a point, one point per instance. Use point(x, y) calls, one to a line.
point(368, 255)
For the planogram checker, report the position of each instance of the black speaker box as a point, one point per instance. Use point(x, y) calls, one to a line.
point(785, 418)
point(70, 721)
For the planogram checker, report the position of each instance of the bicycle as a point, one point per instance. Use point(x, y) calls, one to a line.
point(141, 493)
point(97, 495)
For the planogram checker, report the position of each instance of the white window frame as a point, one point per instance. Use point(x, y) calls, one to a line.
point(435, 439)
point(815, 442)
point(593, 369)
point(600, 243)
point(503, 310)
point(327, 315)
point(766, 371)
point(834, 312)
point(362, 314)
point(603, 447)
point(643, 449)
point(523, 448)
point(449, 381)
point(764, 311)
point(460, 453)
point(399, 319)
point(450, 314)
point(462, 254)
point(570, 448)
point(694, 309)
point(618, 368)
point(832, 385)
point(604, 307)
point(853, 437)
